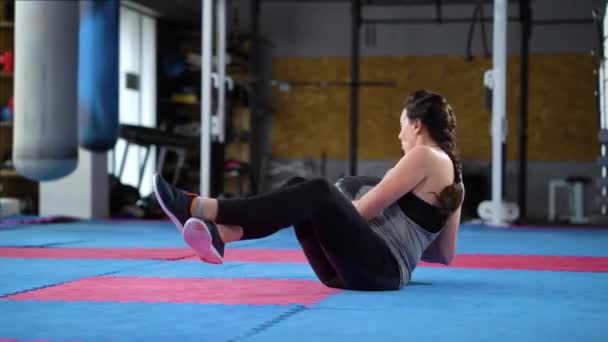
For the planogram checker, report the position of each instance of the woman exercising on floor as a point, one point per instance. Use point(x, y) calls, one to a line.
point(362, 233)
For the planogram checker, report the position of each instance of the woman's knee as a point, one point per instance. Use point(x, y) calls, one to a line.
point(304, 230)
point(322, 186)
point(294, 180)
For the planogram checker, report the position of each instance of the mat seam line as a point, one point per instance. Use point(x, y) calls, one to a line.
point(270, 323)
point(79, 279)
point(46, 245)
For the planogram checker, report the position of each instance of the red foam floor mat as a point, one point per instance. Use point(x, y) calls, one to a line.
point(529, 262)
point(483, 261)
point(96, 253)
point(184, 290)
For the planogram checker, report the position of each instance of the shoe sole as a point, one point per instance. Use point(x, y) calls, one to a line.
point(164, 207)
point(196, 234)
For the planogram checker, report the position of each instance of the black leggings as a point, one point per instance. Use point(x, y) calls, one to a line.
point(341, 248)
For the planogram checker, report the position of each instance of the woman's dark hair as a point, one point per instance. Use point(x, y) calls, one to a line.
point(438, 117)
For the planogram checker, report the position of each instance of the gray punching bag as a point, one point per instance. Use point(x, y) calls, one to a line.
point(45, 138)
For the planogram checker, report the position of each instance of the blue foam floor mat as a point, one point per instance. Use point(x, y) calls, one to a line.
point(472, 238)
point(84, 321)
point(462, 305)
point(492, 240)
point(440, 303)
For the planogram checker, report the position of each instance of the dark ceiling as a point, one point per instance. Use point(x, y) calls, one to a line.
point(189, 11)
point(182, 11)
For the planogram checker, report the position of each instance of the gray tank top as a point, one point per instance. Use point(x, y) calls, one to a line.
point(403, 234)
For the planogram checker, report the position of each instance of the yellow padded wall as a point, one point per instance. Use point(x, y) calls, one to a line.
point(308, 121)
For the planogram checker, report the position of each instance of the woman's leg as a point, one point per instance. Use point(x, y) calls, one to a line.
point(306, 233)
point(332, 233)
point(359, 255)
point(208, 238)
point(308, 239)
point(360, 258)
point(263, 215)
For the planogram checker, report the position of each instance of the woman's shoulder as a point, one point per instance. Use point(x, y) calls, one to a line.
point(426, 154)
point(432, 161)
point(419, 152)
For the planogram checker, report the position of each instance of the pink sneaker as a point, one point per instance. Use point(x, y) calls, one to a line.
point(203, 237)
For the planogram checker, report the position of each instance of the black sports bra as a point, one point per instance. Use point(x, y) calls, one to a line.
point(426, 215)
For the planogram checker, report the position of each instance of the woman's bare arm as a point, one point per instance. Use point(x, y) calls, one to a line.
point(401, 179)
point(443, 249)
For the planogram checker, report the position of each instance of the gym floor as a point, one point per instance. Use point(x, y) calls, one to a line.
point(136, 280)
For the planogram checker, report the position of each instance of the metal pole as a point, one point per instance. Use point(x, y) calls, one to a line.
point(354, 78)
point(525, 13)
point(206, 45)
point(220, 50)
point(438, 11)
point(499, 105)
point(603, 109)
point(257, 119)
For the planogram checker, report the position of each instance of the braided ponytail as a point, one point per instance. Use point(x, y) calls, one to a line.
point(451, 196)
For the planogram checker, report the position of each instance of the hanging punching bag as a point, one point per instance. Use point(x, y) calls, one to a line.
point(98, 75)
point(45, 138)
